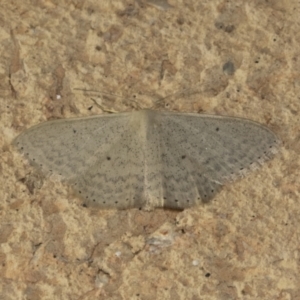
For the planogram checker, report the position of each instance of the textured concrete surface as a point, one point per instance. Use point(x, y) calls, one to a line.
point(220, 57)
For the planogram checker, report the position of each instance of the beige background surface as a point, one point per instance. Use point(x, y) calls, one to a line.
point(245, 243)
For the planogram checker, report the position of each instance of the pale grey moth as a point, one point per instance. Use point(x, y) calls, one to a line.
point(147, 159)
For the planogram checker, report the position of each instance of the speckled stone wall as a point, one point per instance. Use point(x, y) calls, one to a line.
point(64, 59)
